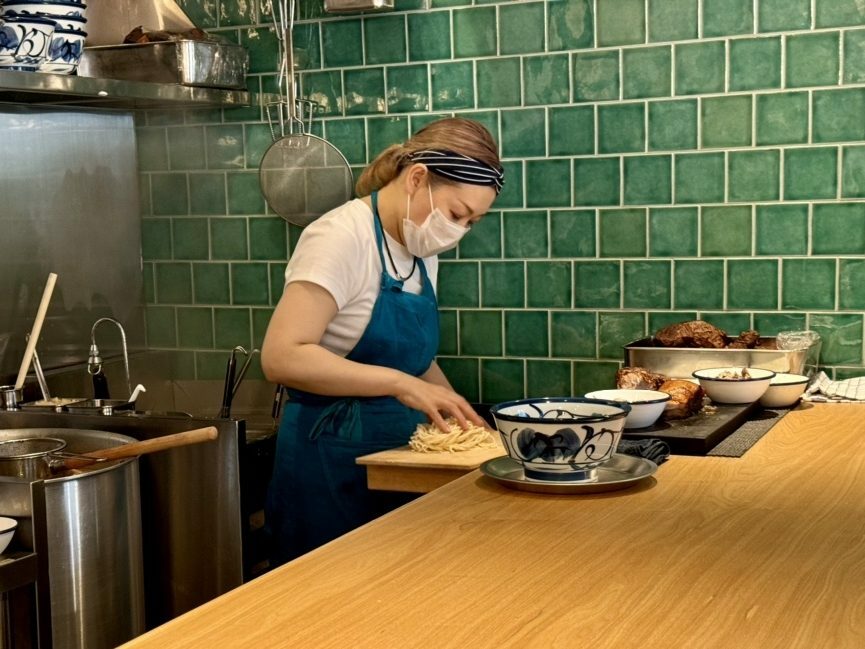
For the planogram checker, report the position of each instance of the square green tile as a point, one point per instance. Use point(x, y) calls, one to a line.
point(458, 284)
point(156, 239)
point(210, 365)
point(752, 284)
point(224, 146)
point(523, 133)
point(615, 330)
point(463, 375)
point(186, 149)
point(231, 327)
point(838, 115)
point(548, 284)
point(647, 285)
point(673, 125)
point(754, 175)
point(525, 234)
point(596, 181)
point(808, 284)
point(429, 36)
point(484, 240)
point(548, 378)
point(233, 13)
point(549, 183)
point(648, 180)
point(698, 284)
point(169, 194)
point(730, 322)
point(521, 28)
point(502, 380)
point(326, 89)
point(597, 284)
point(194, 327)
point(570, 24)
point(727, 17)
point(202, 13)
point(854, 56)
point(244, 193)
point(594, 375)
point(647, 72)
point(661, 319)
point(726, 121)
point(769, 324)
point(842, 338)
point(489, 119)
point(699, 68)
point(384, 38)
point(207, 193)
point(260, 321)
point(173, 283)
point(190, 238)
point(503, 284)
point(384, 131)
point(621, 22)
point(623, 233)
point(228, 239)
point(812, 59)
point(853, 172)
point(364, 90)
point(572, 233)
point(782, 118)
point(783, 15)
point(526, 333)
point(211, 283)
point(408, 87)
point(810, 173)
point(499, 82)
point(596, 76)
point(545, 79)
point(512, 193)
point(573, 334)
point(307, 46)
point(838, 228)
point(268, 238)
point(755, 63)
point(672, 20)
point(480, 333)
point(725, 231)
point(342, 43)
point(782, 230)
point(621, 128)
point(249, 284)
point(448, 333)
point(851, 284)
point(277, 281)
point(571, 130)
point(149, 283)
point(699, 178)
point(349, 136)
point(474, 32)
point(452, 85)
point(160, 326)
point(152, 149)
point(673, 232)
point(145, 207)
point(839, 13)
point(257, 138)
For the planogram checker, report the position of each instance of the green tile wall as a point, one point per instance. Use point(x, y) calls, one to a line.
point(666, 159)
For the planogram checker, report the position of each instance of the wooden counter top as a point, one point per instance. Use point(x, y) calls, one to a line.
point(763, 551)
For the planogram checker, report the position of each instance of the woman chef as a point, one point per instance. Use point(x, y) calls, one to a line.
point(355, 335)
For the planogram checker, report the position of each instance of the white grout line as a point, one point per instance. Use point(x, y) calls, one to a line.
point(839, 168)
point(699, 20)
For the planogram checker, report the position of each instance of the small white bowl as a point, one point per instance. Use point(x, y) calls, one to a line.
point(784, 390)
point(646, 405)
point(7, 531)
point(734, 390)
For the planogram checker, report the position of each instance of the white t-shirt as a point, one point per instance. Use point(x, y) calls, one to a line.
point(337, 252)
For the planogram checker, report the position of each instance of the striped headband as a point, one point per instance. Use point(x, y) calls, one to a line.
point(460, 168)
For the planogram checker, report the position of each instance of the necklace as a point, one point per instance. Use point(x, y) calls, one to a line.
point(390, 257)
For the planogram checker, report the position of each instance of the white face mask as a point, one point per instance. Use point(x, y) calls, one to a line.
point(437, 234)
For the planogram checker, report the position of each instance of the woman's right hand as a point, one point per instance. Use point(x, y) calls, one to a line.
point(436, 401)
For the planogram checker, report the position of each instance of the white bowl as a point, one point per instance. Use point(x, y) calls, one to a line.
point(7, 531)
point(560, 439)
point(784, 390)
point(24, 41)
point(646, 405)
point(734, 390)
point(64, 51)
point(49, 7)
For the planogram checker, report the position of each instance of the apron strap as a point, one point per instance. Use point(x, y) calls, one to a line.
point(340, 419)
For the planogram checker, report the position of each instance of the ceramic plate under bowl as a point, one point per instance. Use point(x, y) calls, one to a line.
point(619, 472)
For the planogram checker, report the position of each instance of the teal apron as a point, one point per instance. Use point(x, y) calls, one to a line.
point(317, 491)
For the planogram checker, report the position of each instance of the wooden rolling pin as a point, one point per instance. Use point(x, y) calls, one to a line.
point(138, 448)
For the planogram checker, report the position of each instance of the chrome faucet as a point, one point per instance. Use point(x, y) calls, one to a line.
point(94, 360)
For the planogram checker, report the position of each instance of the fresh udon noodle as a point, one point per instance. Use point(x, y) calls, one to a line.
point(427, 438)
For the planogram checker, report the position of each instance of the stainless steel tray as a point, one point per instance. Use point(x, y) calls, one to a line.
point(679, 362)
point(186, 62)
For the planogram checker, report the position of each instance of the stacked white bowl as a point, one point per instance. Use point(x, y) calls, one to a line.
point(43, 35)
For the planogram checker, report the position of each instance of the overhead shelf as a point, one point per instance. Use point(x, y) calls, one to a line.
point(68, 90)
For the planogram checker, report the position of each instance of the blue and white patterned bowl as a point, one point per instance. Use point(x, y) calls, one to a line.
point(64, 51)
point(24, 41)
point(560, 439)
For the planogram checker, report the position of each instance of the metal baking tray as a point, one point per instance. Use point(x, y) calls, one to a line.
point(186, 62)
point(680, 362)
point(55, 404)
point(100, 406)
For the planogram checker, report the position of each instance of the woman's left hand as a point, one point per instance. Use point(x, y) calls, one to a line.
point(436, 401)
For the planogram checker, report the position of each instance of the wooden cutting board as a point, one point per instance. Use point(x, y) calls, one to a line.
point(699, 434)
